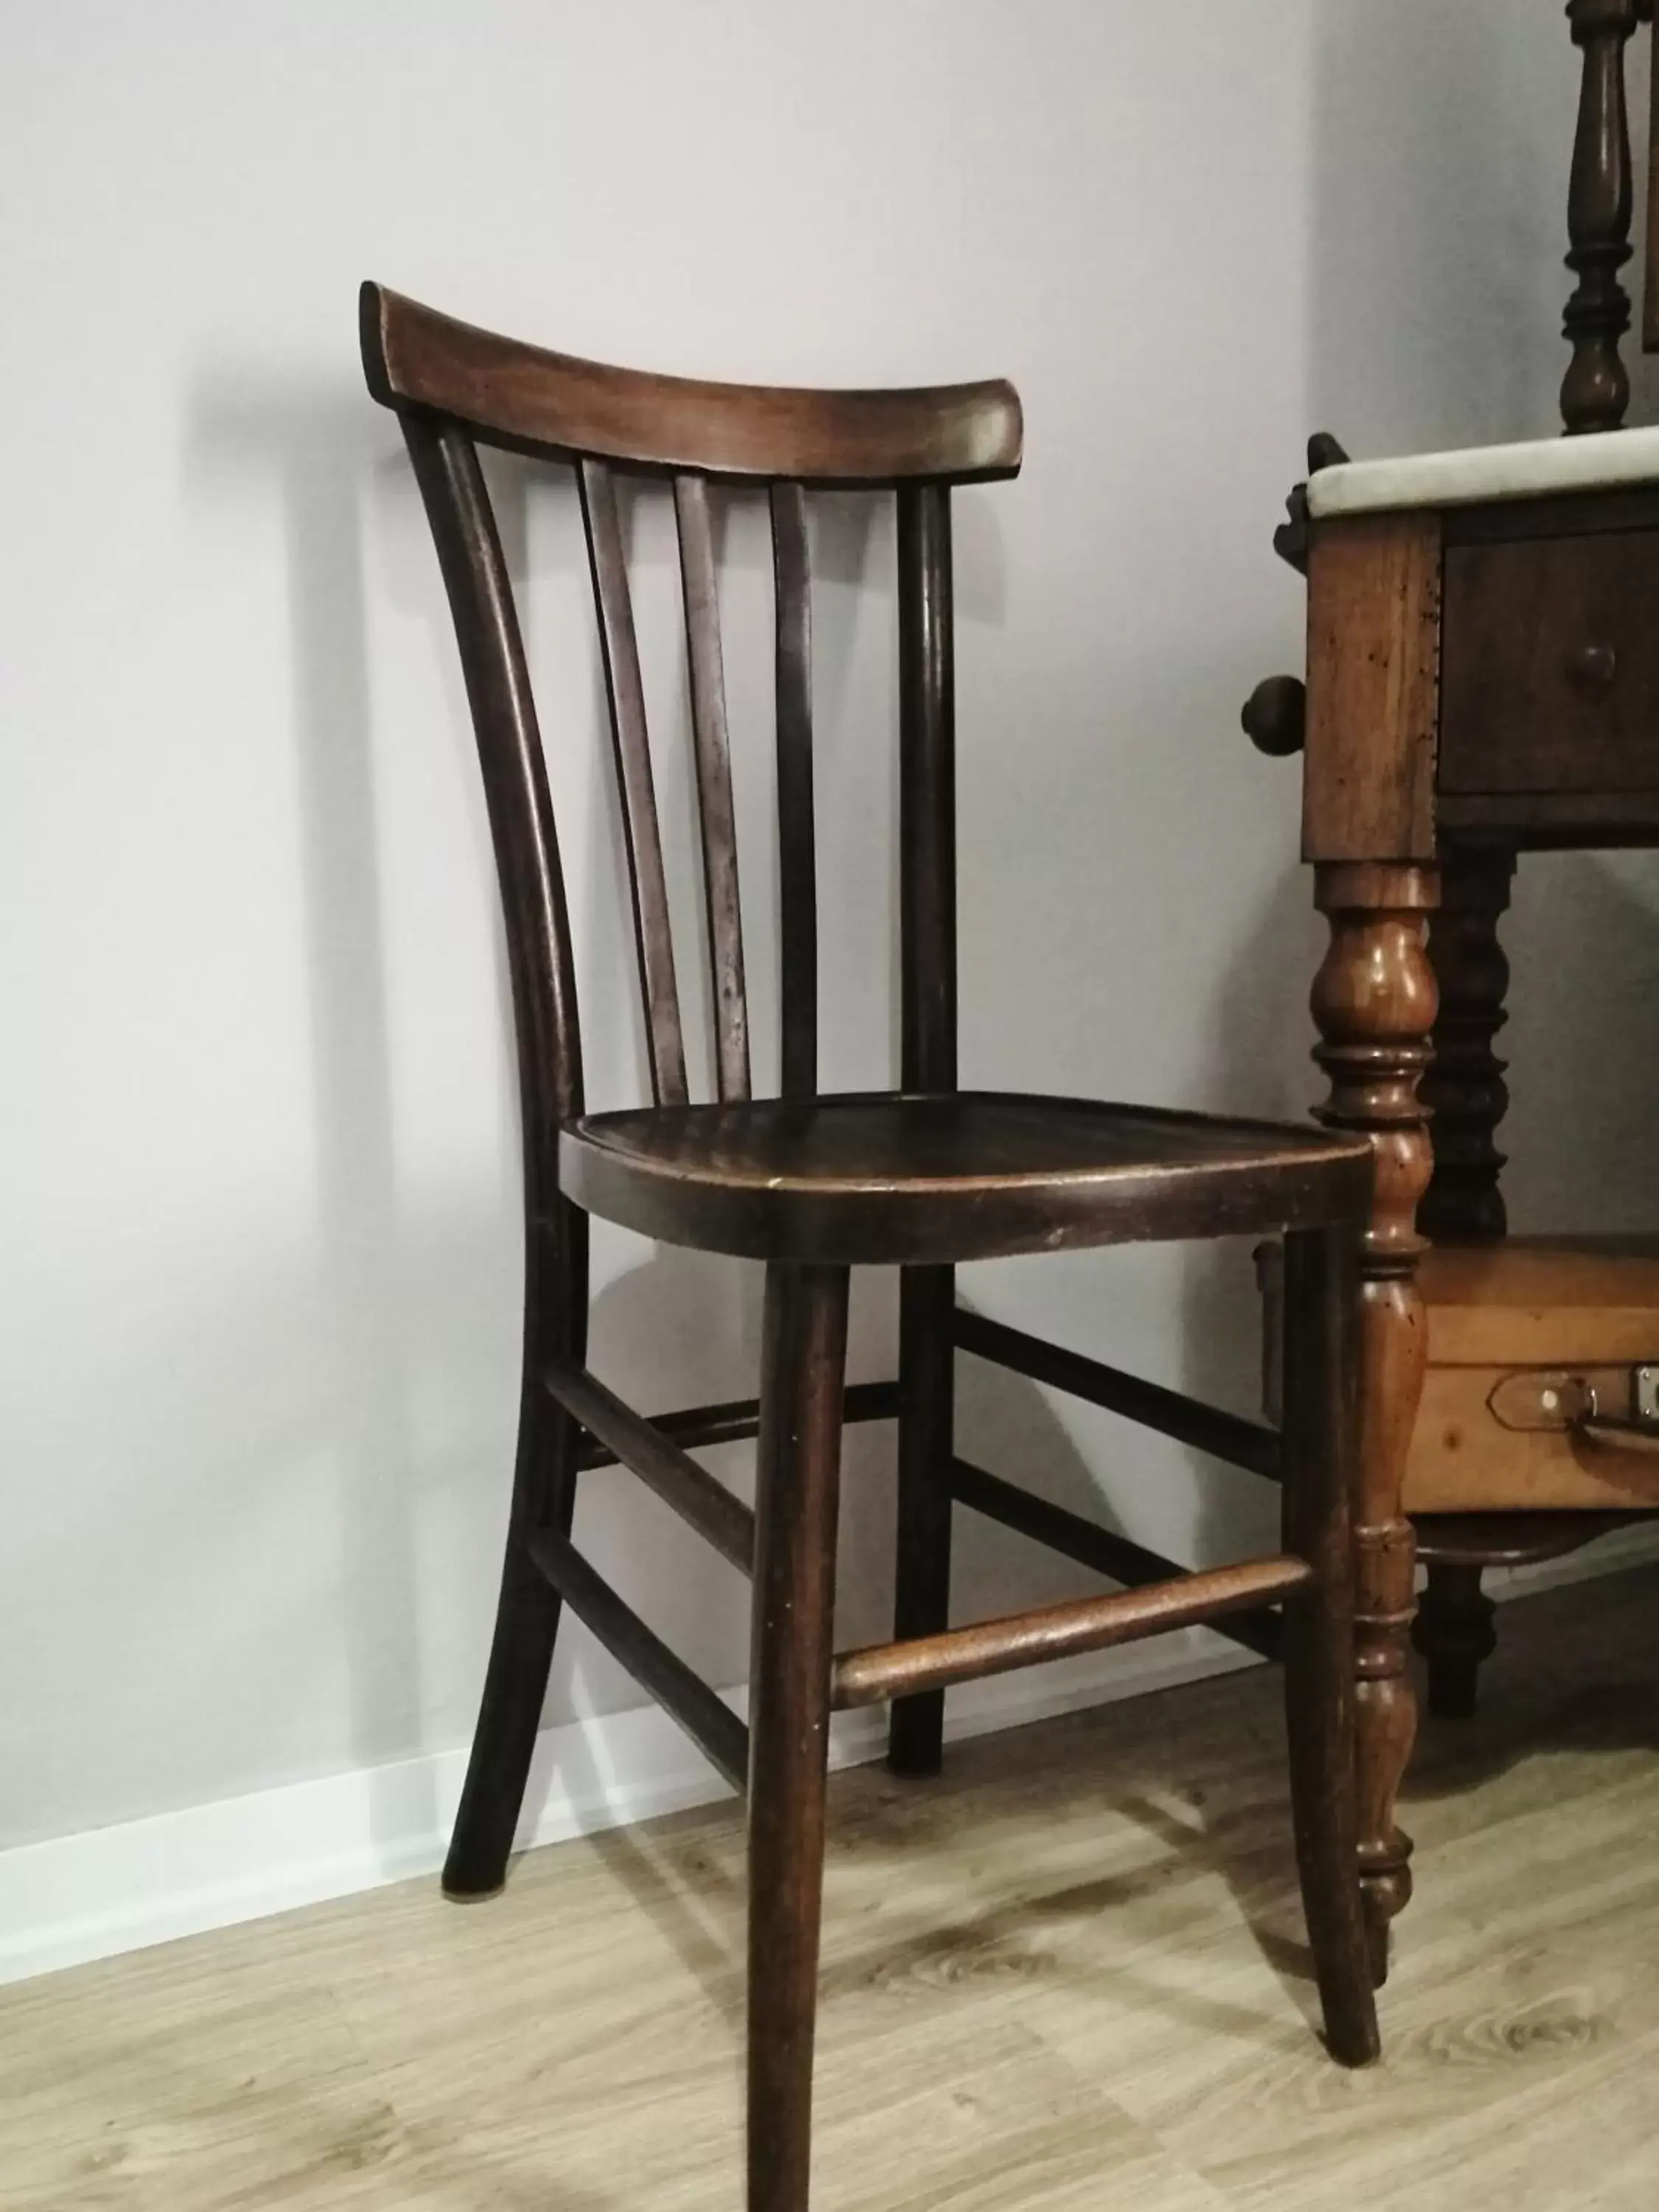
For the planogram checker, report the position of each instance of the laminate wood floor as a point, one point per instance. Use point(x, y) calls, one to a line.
point(1070, 1974)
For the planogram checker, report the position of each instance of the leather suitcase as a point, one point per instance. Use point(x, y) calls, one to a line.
point(1542, 1391)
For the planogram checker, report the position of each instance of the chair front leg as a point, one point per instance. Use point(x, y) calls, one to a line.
point(796, 1493)
point(1320, 1436)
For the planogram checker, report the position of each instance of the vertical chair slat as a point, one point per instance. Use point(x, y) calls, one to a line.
point(797, 847)
point(626, 697)
point(720, 833)
point(927, 777)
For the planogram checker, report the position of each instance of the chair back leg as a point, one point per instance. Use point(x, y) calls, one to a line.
point(921, 1601)
point(527, 1611)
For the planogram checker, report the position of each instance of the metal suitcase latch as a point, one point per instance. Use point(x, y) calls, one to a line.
point(1609, 1404)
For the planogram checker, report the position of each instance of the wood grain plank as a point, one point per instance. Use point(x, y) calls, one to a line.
point(1071, 1964)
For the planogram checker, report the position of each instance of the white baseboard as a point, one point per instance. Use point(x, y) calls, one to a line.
point(111, 1890)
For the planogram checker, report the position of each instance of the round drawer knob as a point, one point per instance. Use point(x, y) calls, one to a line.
point(1592, 667)
point(1275, 715)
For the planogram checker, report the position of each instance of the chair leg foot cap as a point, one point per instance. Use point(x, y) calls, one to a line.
point(454, 1896)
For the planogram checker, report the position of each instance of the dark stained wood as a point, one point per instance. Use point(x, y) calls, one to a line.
point(928, 791)
point(798, 1473)
point(1510, 1539)
point(797, 878)
point(625, 694)
point(1552, 666)
point(521, 396)
point(724, 1520)
point(1060, 1632)
point(1553, 515)
point(1320, 1437)
point(921, 1586)
point(1275, 716)
point(1554, 821)
point(695, 1427)
point(1225, 1435)
point(1454, 1631)
point(875, 1180)
point(713, 1728)
point(1455, 1636)
point(550, 1086)
point(520, 808)
point(920, 1179)
point(1464, 1090)
point(1375, 1004)
point(706, 667)
point(1373, 706)
point(1102, 1549)
point(1595, 390)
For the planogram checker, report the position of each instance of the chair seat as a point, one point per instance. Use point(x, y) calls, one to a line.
point(881, 1178)
point(1607, 460)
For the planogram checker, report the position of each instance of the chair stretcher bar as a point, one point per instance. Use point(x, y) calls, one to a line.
point(1225, 1435)
point(1058, 1632)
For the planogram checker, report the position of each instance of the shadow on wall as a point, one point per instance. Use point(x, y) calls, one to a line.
point(314, 446)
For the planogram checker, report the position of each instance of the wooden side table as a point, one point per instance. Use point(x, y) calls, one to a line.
point(1483, 678)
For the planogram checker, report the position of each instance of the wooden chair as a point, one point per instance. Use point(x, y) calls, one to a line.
point(920, 1179)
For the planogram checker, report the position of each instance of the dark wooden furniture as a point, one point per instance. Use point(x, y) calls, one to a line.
point(920, 1178)
point(1483, 678)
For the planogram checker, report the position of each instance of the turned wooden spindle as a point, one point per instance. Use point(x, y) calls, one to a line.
point(1464, 1091)
point(1453, 1631)
point(1373, 1000)
point(1595, 390)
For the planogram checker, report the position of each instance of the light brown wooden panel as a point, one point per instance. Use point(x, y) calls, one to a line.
point(1373, 685)
point(1543, 1302)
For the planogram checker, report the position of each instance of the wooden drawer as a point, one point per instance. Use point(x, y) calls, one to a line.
point(1550, 666)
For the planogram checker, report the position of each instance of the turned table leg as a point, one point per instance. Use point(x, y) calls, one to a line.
point(1455, 1634)
point(1464, 1091)
point(1374, 1002)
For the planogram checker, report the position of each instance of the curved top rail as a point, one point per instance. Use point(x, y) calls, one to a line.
point(513, 394)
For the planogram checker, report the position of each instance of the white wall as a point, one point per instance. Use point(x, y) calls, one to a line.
point(260, 1259)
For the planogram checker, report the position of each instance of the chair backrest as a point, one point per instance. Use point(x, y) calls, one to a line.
point(454, 388)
